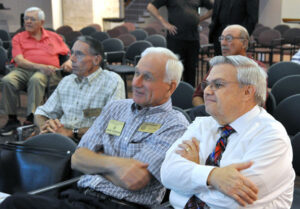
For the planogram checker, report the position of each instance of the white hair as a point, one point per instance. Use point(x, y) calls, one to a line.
point(173, 68)
point(41, 13)
point(248, 73)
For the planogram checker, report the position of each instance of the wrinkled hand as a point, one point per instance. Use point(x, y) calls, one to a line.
point(231, 182)
point(130, 174)
point(189, 150)
point(171, 28)
point(48, 69)
point(54, 126)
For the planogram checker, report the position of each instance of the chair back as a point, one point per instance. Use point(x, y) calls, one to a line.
point(157, 40)
point(5, 37)
point(285, 87)
point(127, 39)
point(296, 154)
point(150, 30)
point(292, 35)
point(136, 49)
point(64, 30)
point(100, 36)
point(40, 161)
point(267, 37)
point(3, 60)
point(140, 34)
point(184, 113)
point(71, 38)
point(87, 31)
point(287, 112)
point(280, 70)
point(182, 96)
point(270, 103)
point(282, 28)
point(112, 44)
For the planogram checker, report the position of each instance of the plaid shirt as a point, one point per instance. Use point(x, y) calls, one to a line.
point(72, 97)
point(145, 147)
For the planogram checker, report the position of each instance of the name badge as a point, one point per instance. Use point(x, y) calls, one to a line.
point(91, 112)
point(115, 127)
point(149, 127)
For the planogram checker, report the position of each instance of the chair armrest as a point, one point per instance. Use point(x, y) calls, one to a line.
point(55, 186)
point(21, 129)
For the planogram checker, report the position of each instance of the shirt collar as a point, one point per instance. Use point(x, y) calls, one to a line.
point(45, 34)
point(88, 79)
point(167, 106)
point(241, 123)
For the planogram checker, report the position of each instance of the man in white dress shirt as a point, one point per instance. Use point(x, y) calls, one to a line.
point(255, 168)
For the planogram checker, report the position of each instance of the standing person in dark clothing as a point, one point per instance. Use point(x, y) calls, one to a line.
point(182, 27)
point(229, 12)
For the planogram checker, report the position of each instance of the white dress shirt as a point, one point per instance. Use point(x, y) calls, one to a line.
point(258, 138)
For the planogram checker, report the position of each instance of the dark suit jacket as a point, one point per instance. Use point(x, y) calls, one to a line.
point(242, 12)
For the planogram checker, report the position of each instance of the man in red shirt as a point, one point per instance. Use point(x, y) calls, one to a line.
point(36, 56)
point(234, 41)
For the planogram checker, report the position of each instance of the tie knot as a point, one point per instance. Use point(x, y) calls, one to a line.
point(227, 130)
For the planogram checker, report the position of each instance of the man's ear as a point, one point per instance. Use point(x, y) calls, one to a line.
point(97, 60)
point(249, 92)
point(173, 86)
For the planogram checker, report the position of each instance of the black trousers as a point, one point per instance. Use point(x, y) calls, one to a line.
point(70, 199)
point(188, 52)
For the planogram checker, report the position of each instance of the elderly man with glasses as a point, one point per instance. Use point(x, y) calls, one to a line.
point(234, 41)
point(238, 157)
point(35, 54)
point(79, 98)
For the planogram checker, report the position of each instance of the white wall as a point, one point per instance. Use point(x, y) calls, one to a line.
point(17, 7)
point(270, 12)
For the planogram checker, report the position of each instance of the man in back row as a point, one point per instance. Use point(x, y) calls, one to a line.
point(36, 54)
point(234, 41)
point(238, 157)
point(121, 154)
point(79, 98)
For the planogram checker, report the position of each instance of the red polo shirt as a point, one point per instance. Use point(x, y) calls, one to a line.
point(44, 51)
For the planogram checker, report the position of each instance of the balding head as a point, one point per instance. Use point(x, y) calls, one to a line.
point(239, 43)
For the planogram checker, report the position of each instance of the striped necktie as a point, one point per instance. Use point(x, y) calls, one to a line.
point(213, 159)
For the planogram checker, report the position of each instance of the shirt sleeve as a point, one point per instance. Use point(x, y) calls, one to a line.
point(159, 3)
point(16, 46)
point(52, 108)
point(180, 174)
point(119, 92)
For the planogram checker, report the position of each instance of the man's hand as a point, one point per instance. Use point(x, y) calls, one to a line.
point(231, 182)
point(189, 150)
point(48, 69)
point(54, 126)
point(129, 174)
point(67, 66)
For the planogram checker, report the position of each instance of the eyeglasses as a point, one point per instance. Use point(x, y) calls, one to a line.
point(79, 54)
point(215, 84)
point(229, 38)
point(32, 19)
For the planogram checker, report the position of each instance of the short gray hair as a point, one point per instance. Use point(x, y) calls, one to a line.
point(248, 73)
point(41, 13)
point(173, 68)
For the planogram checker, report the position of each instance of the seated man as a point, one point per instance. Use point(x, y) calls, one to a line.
point(234, 41)
point(121, 154)
point(238, 157)
point(79, 98)
point(36, 56)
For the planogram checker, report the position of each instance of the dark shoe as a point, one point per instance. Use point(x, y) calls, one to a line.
point(27, 122)
point(9, 127)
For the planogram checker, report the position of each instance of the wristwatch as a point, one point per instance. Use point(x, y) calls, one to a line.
point(75, 133)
